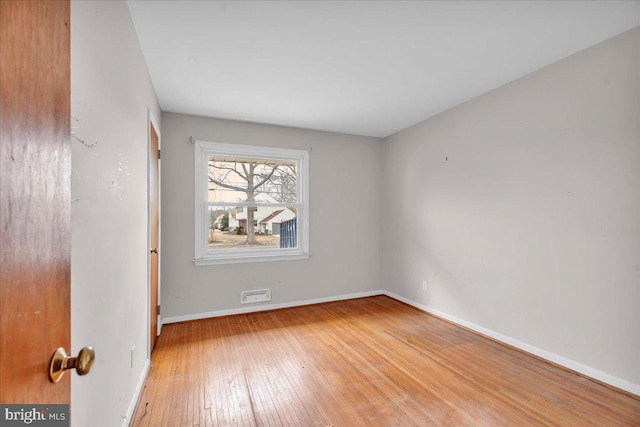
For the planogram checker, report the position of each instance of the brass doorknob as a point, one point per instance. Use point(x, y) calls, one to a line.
point(61, 362)
point(154, 250)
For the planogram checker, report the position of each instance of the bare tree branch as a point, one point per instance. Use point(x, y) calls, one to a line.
point(213, 165)
point(222, 184)
point(223, 179)
point(282, 185)
point(275, 168)
point(233, 169)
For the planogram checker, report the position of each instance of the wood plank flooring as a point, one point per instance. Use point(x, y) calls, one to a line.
point(365, 362)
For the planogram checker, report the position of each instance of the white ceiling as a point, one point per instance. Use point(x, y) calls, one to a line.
point(358, 67)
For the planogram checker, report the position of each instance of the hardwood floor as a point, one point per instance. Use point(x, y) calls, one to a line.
point(366, 362)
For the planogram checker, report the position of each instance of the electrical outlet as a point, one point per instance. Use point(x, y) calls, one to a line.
point(424, 285)
point(133, 355)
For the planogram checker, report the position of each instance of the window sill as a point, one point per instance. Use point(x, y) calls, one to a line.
point(244, 259)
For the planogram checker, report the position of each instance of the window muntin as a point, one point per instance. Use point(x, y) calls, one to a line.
point(244, 196)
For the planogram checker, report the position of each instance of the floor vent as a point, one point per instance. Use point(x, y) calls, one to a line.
point(259, 295)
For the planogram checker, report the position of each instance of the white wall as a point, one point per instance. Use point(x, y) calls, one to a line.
point(345, 182)
point(521, 209)
point(111, 91)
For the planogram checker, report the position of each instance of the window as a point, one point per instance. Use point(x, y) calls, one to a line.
point(252, 203)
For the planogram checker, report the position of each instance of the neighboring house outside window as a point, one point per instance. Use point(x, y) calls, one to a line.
point(243, 194)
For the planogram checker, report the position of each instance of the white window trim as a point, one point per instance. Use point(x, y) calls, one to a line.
point(203, 256)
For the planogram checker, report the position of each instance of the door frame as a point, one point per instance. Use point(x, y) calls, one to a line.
point(152, 122)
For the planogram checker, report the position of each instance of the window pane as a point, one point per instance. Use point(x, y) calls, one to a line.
point(273, 227)
point(255, 203)
point(234, 179)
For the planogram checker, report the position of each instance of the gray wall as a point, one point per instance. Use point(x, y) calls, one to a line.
point(521, 209)
point(110, 93)
point(345, 219)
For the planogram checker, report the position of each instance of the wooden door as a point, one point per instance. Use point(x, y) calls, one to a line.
point(35, 197)
point(154, 223)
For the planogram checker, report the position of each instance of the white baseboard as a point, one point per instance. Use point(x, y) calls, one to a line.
point(551, 357)
point(266, 307)
point(136, 394)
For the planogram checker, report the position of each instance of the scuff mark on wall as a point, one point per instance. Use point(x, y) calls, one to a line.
point(76, 137)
